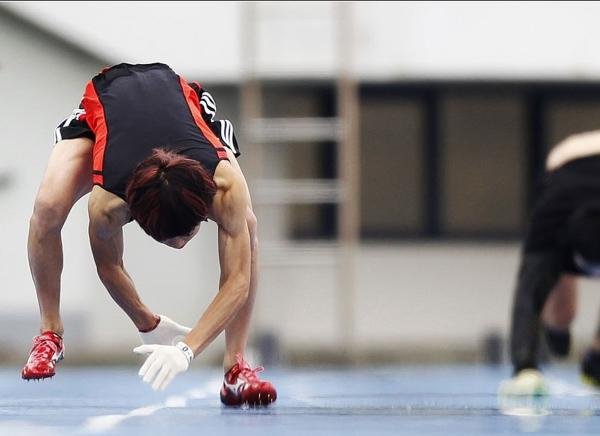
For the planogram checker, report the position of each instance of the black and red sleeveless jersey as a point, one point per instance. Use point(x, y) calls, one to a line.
point(133, 109)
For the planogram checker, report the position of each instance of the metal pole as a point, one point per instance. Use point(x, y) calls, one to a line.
point(250, 93)
point(349, 175)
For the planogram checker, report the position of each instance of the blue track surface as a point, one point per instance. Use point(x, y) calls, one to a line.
point(458, 400)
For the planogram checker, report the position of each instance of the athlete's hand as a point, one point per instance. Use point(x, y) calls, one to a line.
point(167, 332)
point(164, 363)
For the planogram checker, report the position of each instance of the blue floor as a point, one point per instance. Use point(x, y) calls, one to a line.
point(449, 400)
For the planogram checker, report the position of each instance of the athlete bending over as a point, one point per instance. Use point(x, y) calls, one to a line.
point(562, 243)
point(144, 142)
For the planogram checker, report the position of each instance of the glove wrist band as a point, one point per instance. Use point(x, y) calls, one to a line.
point(186, 350)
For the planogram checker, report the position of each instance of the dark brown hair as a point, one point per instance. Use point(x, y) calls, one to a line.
point(169, 194)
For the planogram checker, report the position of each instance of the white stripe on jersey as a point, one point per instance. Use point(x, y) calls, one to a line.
point(208, 111)
point(224, 132)
point(210, 101)
point(57, 135)
point(227, 134)
point(74, 116)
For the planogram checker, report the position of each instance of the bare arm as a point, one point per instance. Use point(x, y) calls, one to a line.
point(108, 214)
point(235, 259)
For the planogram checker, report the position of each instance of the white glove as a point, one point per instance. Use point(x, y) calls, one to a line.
point(167, 332)
point(165, 362)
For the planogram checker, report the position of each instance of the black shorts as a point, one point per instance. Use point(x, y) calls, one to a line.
point(76, 126)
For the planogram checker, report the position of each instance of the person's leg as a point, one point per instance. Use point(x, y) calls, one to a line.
point(558, 314)
point(67, 178)
point(596, 342)
point(241, 384)
point(590, 362)
point(236, 333)
point(561, 306)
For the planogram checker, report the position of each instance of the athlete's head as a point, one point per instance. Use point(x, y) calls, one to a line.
point(584, 236)
point(169, 195)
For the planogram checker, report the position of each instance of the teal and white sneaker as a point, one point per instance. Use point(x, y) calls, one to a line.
point(527, 382)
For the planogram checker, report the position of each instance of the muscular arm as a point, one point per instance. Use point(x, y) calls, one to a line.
point(235, 260)
point(108, 213)
point(538, 274)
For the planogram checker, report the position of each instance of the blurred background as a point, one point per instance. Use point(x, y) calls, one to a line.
point(392, 151)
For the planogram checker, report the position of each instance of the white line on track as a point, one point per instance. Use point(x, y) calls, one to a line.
point(560, 387)
point(103, 423)
point(21, 428)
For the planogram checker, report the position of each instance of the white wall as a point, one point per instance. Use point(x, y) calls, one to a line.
point(535, 40)
point(391, 39)
point(409, 297)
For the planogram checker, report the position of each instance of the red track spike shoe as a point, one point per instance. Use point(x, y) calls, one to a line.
point(242, 386)
point(46, 351)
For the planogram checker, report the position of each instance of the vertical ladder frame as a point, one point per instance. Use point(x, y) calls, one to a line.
point(347, 153)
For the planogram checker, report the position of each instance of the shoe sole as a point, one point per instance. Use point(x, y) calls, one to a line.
point(256, 402)
point(36, 377)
